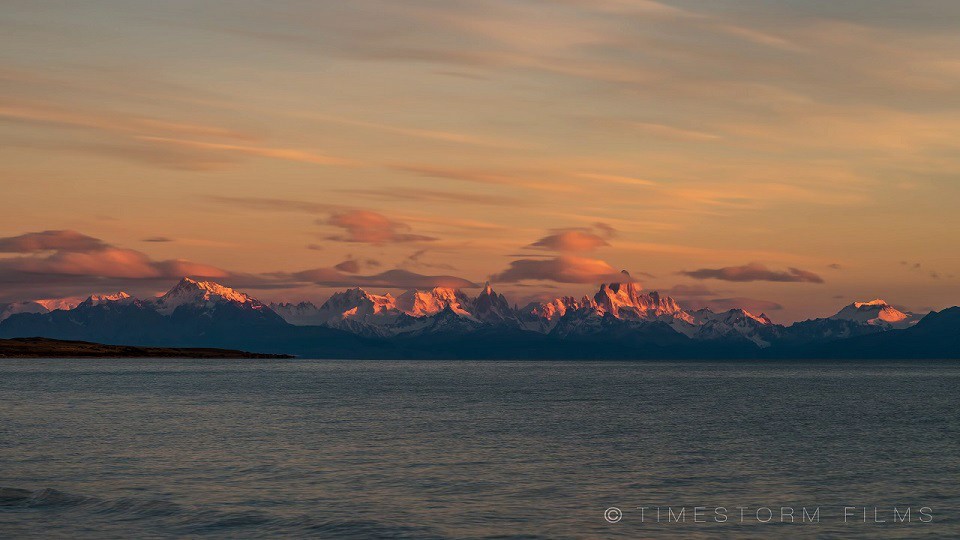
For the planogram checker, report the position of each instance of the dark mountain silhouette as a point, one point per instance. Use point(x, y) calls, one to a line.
point(936, 336)
point(619, 322)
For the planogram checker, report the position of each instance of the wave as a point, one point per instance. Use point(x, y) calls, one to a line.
point(141, 515)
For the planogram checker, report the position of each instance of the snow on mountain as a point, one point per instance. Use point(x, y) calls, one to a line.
point(101, 299)
point(735, 323)
point(491, 307)
point(417, 303)
point(876, 313)
point(53, 304)
point(361, 312)
point(357, 304)
point(618, 311)
point(445, 322)
point(358, 311)
point(542, 317)
point(625, 300)
point(300, 314)
point(203, 294)
point(6, 310)
point(628, 301)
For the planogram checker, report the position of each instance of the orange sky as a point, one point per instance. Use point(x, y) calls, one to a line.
point(788, 156)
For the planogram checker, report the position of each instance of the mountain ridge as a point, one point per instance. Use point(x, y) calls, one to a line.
point(619, 320)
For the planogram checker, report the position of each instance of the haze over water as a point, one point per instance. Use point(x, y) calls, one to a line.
point(136, 448)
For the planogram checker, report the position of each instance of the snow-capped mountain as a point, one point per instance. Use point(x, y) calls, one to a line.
point(876, 313)
point(623, 301)
point(628, 301)
point(493, 308)
point(192, 313)
point(53, 304)
point(732, 324)
point(359, 312)
point(417, 312)
point(100, 299)
point(542, 317)
point(418, 303)
point(299, 314)
point(619, 320)
point(6, 310)
point(204, 295)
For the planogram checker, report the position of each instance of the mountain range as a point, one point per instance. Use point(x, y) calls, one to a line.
point(620, 321)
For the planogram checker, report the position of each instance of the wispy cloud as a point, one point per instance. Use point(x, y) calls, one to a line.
point(755, 272)
point(372, 228)
point(564, 269)
point(275, 205)
point(571, 240)
point(430, 195)
point(488, 177)
point(50, 262)
point(391, 279)
point(286, 154)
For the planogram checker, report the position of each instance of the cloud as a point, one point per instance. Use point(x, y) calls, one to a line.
point(353, 264)
point(443, 136)
point(177, 268)
point(415, 259)
point(563, 269)
point(285, 154)
point(835, 266)
point(147, 140)
point(59, 240)
point(48, 115)
point(106, 262)
point(669, 132)
point(512, 178)
point(350, 266)
point(276, 205)
point(51, 262)
point(607, 231)
point(429, 195)
point(457, 174)
point(158, 239)
point(755, 272)
point(616, 179)
point(571, 240)
point(391, 279)
point(577, 239)
point(372, 228)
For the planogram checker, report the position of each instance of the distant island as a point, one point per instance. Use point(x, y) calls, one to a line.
point(620, 322)
point(56, 348)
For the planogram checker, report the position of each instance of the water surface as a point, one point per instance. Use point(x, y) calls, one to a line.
point(361, 449)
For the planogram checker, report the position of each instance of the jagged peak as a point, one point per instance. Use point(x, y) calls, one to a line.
point(875, 302)
point(417, 302)
point(874, 312)
point(98, 299)
point(119, 295)
point(189, 288)
point(303, 304)
point(359, 292)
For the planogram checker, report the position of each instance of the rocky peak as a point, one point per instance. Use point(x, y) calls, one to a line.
point(101, 299)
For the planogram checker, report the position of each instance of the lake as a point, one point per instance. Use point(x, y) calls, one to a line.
point(434, 449)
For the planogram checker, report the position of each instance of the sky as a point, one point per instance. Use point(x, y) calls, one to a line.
point(786, 156)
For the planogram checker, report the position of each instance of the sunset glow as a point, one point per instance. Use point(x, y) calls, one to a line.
point(785, 157)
